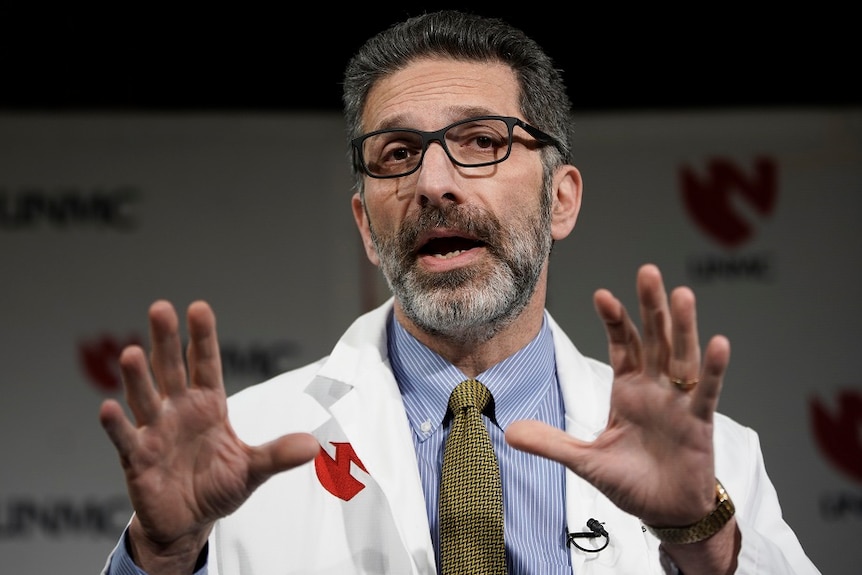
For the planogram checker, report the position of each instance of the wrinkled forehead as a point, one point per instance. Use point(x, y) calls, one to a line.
point(430, 93)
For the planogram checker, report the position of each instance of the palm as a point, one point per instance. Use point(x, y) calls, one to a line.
point(653, 452)
point(184, 465)
point(188, 468)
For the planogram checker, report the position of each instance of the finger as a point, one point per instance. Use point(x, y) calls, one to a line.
point(203, 354)
point(707, 392)
point(117, 426)
point(656, 320)
point(546, 441)
point(167, 352)
point(685, 355)
point(141, 396)
point(282, 454)
point(624, 344)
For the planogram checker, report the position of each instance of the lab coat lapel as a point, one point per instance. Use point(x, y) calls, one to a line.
point(367, 411)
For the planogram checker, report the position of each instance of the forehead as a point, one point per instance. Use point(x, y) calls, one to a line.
point(432, 92)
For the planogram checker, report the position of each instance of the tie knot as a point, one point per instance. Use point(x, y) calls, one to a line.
point(469, 393)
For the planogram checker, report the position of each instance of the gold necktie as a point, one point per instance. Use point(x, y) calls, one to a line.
point(471, 496)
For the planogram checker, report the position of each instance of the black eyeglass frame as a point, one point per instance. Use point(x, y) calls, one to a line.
point(438, 136)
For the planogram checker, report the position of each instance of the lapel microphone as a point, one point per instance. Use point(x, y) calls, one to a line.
point(596, 529)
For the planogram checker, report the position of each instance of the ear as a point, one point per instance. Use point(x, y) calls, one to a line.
point(361, 217)
point(567, 201)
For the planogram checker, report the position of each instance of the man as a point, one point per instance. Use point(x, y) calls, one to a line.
point(459, 127)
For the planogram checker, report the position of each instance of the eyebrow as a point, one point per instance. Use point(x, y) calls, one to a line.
point(457, 113)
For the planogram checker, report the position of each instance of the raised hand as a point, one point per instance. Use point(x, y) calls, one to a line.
point(655, 458)
point(184, 465)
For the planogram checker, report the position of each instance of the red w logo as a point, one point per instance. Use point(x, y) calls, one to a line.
point(714, 203)
point(334, 474)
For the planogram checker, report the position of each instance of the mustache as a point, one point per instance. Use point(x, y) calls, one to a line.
point(471, 221)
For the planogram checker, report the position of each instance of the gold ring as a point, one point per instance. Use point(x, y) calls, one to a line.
point(684, 384)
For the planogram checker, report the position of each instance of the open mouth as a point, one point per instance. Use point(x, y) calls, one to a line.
point(449, 247)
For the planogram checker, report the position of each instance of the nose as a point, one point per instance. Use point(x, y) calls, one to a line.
point(436, 180)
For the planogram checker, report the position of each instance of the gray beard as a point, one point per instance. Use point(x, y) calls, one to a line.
point(469, 304)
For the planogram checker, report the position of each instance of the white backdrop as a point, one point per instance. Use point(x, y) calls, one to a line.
point(100, 214)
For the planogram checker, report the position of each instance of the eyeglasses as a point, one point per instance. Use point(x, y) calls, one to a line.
point(470, 143)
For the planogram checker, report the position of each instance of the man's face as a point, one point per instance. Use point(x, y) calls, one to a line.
point(461, 248)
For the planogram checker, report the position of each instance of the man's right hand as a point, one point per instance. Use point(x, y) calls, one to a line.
point(184, 465)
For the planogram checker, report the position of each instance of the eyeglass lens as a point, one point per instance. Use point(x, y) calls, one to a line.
point(470, 143)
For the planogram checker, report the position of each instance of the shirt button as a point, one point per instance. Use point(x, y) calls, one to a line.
point(426, 426)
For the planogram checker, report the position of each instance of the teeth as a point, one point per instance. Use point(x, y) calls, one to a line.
point(449, 255)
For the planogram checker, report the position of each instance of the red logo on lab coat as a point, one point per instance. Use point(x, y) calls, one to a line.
point(334, 474)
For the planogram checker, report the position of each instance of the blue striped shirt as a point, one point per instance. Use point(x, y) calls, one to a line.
point(524, 386)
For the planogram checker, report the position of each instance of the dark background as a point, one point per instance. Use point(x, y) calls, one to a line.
point(291, 57)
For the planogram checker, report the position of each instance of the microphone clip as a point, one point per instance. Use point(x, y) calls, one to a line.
point(596, 529)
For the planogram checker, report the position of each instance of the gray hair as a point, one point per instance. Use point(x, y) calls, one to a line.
point(468, 37)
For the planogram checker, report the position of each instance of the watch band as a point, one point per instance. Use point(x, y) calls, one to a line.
point(703, 529)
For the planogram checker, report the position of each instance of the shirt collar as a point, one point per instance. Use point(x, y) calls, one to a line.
point(426, 379)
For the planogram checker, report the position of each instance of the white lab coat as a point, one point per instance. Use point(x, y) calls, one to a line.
point(293, 525)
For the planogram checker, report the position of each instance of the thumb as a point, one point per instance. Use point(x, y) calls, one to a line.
point(544, 440)
point(284, 453)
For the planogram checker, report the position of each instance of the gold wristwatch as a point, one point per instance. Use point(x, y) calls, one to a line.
point(703, 529)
